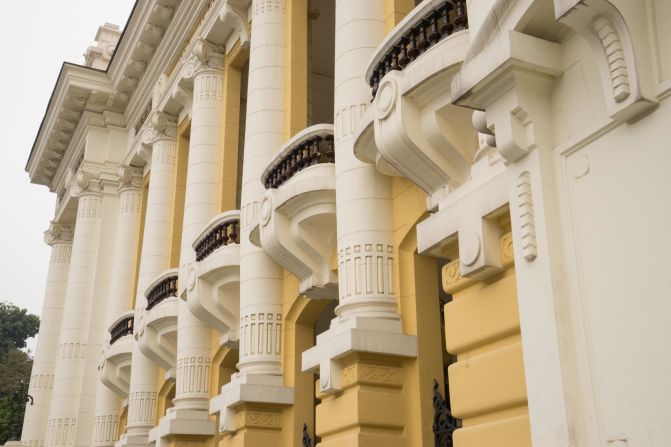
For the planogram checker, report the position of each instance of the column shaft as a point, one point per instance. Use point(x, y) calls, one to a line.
point(108, 403)
point(201, 204)
point(363, 201)
point(260, 276)
point(154, 259)
point(44, 362)
point(72, 346)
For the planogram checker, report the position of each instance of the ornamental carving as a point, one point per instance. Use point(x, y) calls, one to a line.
point(129, 177)
point(84, 183)
point(379, 375)
point(258, 419)
point(58, 232)
point(209, 55)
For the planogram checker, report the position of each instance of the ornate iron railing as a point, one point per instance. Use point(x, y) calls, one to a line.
point(161, 290)
point(223, 233)
point(308, 440)
point(122, 327)
point(444, 424)
point(311, 146)
point(433, 22)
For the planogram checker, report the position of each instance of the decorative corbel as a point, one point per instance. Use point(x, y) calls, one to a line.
point(240, 19)
point(600, 23)
point(84, 183)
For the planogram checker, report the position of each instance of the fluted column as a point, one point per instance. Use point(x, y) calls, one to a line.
point(154, 259)
point(108, 403)
point(201, 204)
point(59, 237)
point(72, 349)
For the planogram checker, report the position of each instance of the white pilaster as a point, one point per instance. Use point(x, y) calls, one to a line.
point(260, 376)
point(108, 403)
point(59, 237)
point(72, 350)
point(155, 258)
point(368, 319)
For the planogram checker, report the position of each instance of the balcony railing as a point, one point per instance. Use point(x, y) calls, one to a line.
point(432, 21)
point(162, 290)
point(312, 146)
point(122, 327)
point(224, 230)
point(444, 424)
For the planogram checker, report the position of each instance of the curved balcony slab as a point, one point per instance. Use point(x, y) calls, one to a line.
point(114, 368)
point(297, 223)
point(413, 129)
point(156, 332)
point(213, 283)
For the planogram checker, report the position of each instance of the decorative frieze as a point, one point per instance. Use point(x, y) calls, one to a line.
point(267, 6)
point(525, 208)
point(72, 351)
point(366, 269)
point(193, 375)
point(41, 381)
point(141, 407)
point(105, 428)
point(61, 254)
point(261, 334)
point(617, 63)
point(61, 431)
point(369, 374)
point(346, 120)
point(258, 419)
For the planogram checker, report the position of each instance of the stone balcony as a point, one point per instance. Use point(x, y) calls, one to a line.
point(116, 356)
point(213, 282)
point(157, 323)
point(412, 128)
point(297, 221)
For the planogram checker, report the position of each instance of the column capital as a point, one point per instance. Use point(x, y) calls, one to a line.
point(84, 183)
point(129, 178)
point(208, 56)
point(58, 233)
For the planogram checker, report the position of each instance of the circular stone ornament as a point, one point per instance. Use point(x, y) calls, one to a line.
point(385, 98)
point(470, 249)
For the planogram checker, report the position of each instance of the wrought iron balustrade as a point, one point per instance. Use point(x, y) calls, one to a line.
point(433, 21)
point(162, 290)
point(121, 328)
point(444, 424)
point(222, 234)
point(312, 146)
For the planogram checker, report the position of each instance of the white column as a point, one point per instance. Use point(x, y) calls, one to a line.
point(201, 204)
point(154, 259)
point(364, 196)
point(368, 318)
point(108, 403)
point(260, 376)
point(72, 350)
point(59, 237)
point(260, 276)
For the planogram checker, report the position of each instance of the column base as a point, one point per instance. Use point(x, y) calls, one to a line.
point(249, 388)
point(356, 335)
point(132, 441)
point(181, 423)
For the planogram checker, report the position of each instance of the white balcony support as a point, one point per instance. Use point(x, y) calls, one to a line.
point(297, 220)
point(156, 331)
point(213, 286)
point(115, 362)
point(412, 129)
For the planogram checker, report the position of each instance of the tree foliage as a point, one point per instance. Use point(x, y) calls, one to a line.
point(16, 326)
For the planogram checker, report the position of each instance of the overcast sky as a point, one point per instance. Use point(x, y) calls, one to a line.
point(36, 37)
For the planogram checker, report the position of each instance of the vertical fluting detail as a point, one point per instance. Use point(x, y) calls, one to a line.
point(260, 276)
point(108, 403)
point(201, 204)
point(155, 258)
point(365, 251)
point(59, 237)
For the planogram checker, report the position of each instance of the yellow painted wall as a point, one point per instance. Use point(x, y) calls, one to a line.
point(182, 161)
point(296, 67)
point(487, 385)
point(395, 10)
